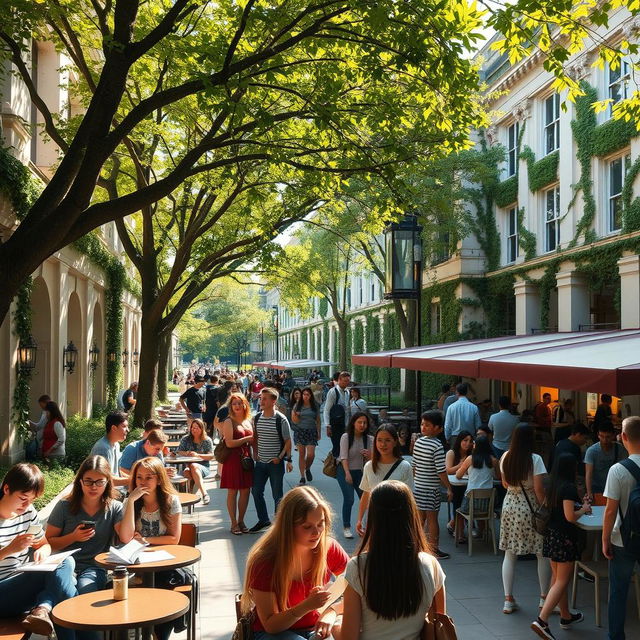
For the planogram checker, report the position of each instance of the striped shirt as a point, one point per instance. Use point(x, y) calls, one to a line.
point(269, 444)
point(9, 529)
point(428, 462)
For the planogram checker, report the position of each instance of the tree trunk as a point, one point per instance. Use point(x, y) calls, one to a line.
point(342, 342)
point(149, 355)
point(163, 366)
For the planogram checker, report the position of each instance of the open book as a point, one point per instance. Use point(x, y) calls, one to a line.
point(128, 554)
point(49, 564)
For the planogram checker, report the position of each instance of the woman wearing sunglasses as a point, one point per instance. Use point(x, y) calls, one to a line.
point(85, 520)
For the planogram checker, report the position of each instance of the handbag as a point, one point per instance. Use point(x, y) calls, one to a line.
point(247, 463)
point(243, 630)
point(539, 517)
point(438, 626)
point(221, 452)
point(330, 466)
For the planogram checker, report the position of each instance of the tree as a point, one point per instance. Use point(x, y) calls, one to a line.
point(334, 87)
point(317, 263)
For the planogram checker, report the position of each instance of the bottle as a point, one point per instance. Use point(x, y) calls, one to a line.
point(120, 583)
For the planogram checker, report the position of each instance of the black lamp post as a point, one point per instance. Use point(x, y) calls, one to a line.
point(27, 350)
point(275, 324)
point(94, 356)
point(125, 357)
point(403, 274)
point(69, 357)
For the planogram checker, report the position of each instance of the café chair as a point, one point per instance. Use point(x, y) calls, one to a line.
point(190, 537)
point(480, 510)
point(598, 570)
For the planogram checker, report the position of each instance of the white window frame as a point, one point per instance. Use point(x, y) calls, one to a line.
point(553, 222)
point(616, 198)
point(621, 83)
point(513, 248)
point(513, 132)
point(373, 289)
point(551, 126)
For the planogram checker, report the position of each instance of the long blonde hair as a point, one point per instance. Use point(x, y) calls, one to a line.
point(164, 491)
point(277, 547)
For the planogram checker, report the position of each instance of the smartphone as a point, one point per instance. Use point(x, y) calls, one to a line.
point(34, 530)
point(88, 524)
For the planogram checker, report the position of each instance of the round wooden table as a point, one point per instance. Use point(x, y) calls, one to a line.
point(99, 611)
point(183, 556)
point(182, 459)
point(188, 500)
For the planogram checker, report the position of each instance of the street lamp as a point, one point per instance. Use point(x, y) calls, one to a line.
point(94, 356)
point(112, 357)
point(125, 357)
point(275, 324)
point(403, 274)
point(27, 350)
point(69, 357)
point(135, 358)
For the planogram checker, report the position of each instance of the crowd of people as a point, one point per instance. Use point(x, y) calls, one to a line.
point(399, 477)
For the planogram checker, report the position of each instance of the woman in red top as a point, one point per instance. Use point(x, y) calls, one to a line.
point(54, 434)
point(289, 569)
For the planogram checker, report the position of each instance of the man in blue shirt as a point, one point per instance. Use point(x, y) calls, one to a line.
point(150, 447)
point(462, 415)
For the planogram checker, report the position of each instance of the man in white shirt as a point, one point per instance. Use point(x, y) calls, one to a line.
point(462, 415)
point(338, 395)
point(620, 483)
point(503, 424)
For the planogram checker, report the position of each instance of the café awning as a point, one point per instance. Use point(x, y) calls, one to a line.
point(593, 361)
point(293, 364)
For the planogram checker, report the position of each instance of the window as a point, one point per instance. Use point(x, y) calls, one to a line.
point(436, 324)
point(361, 289)
point(552, 219)
point(618, 83)
point(512, 234)
point(373, 290)
point(617, 171)
point(512, 148)
point(552, 123)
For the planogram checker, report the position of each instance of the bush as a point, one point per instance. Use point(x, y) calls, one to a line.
point(82, 434)
point(172, 387)
point(56, 478)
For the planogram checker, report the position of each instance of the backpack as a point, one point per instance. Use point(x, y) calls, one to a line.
point(630, 527)
point(278, 426)
point(337, 412)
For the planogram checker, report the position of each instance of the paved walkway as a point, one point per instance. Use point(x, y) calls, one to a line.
point(474, 585)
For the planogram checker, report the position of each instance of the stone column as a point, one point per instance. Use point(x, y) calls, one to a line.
point(574, 301)
point(527, 307)
point(629, 269)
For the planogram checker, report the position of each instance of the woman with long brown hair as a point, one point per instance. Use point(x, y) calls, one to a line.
point(54, 433)
point(152, 512)
point(522, 474)
point(85, 520)
point(197, 443)
point(237, 431)
point(288, 570)
point(394, 578)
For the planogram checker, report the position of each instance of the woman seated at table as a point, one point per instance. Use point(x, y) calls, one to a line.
point(197, 443)
point(289, 568)
point(85, 520)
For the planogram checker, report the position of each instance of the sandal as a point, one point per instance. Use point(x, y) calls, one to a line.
point(243, 527)
point(206, 499)
point(236, 531)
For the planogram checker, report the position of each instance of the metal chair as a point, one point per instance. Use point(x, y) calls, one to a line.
point(480, 509)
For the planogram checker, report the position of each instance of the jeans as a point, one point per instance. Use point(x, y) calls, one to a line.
point(262, 472)
point(336, 434)
point(348, 491)
point(620, 572)
point(24, 591)
point(290, 634)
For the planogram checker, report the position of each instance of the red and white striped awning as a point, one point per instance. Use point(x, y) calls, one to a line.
point(602, 361)
point(292, 364)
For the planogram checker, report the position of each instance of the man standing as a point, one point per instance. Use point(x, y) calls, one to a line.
point(623, 478)
point(337, 411)
point(462, 415)
point(109, 445)
point(599, 458)
point(502, 424)
point(543, 417)
point(129, 397)
point(603, 412)
point(273, 445)
point(194, 398)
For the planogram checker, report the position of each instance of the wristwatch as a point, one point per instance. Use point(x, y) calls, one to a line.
point(287, 458)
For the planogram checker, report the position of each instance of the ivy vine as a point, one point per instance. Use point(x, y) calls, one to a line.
point(541, 172)
point(22, 328)
point(17, 183)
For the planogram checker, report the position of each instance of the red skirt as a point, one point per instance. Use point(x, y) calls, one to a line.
point(233, 475)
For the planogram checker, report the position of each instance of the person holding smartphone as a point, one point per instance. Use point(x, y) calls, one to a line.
point(85, 520)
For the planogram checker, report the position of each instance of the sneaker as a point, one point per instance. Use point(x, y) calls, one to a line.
point(309, 476)
point(38, 622)
point(556, 609)
point(542, 629)
point(574, 619)
point(259, 526)
point(510, 606)
point(302, 481)
point(586, 576)
point(441, 555)
point(347, 533)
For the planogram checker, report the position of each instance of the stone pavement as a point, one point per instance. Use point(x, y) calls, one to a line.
point(474, 585)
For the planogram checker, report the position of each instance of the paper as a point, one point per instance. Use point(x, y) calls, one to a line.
point(336, 589)
point(154, 556)
point(127, 554)
point(50, 564)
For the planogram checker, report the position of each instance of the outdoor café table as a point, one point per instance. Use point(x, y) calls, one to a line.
point(182, 459)
point(175, 432)
point(592, 522)
point(188, 500)
point(183, 556)
point(464, 481)
point(98, 611)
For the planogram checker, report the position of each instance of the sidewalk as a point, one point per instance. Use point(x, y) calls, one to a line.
point(474, 585)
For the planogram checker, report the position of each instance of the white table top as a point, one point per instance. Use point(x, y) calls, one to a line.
point(464, 481)
point(592, 522)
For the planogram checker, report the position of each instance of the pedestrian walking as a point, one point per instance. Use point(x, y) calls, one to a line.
point(337, 411)
point(305, 423)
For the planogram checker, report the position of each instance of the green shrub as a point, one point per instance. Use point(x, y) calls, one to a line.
point(172, 387)
point(82, 434)
point(56, 478)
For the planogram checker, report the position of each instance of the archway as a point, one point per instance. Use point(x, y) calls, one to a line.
point(98, 340)
point(41, 331)
point(74, 334)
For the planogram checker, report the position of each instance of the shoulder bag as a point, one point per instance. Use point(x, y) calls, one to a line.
point(330, 466)
point(221, 452)
point(243, 630)
point(539, 517)
point(437, 626)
